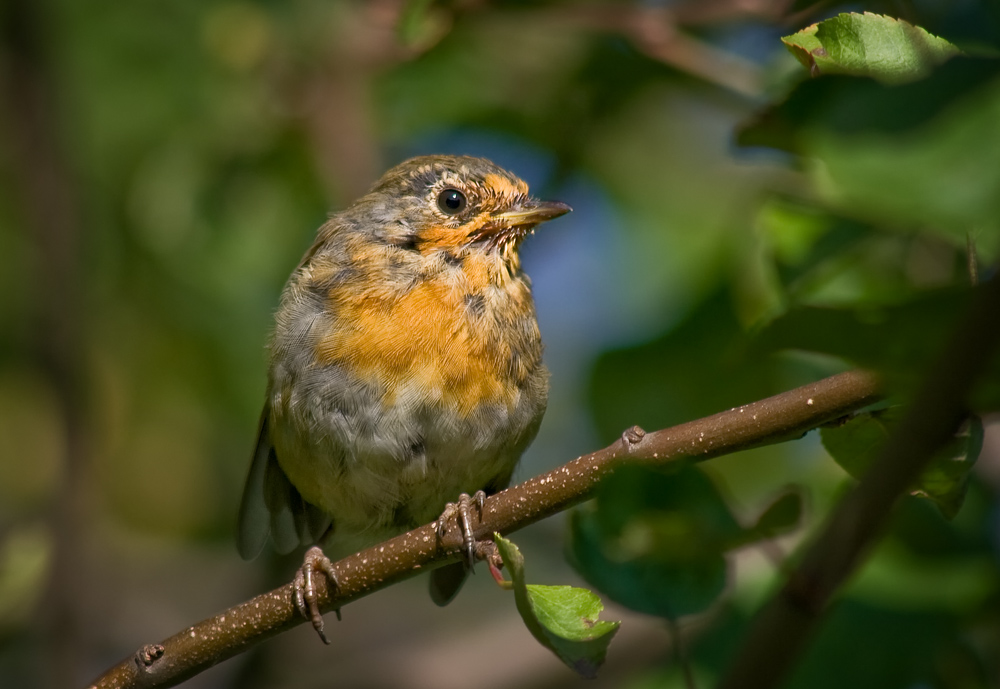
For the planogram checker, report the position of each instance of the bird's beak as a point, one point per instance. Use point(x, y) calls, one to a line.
point(532, 213)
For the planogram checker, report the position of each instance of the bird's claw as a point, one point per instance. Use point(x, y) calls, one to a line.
point(461, 509)
point(315, 562)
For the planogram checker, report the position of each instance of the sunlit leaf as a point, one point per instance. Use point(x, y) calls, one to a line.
point(870, 45)
point(564, 619)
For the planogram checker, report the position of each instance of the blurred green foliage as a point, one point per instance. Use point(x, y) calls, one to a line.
point(656, 541)
point(740, 228)
point(855, 445)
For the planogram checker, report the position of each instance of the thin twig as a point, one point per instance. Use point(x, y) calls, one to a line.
point(657, 32)
point(782, 417)
point(680, 657)
point(972, 258)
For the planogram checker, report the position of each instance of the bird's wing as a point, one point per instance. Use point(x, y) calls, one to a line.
point(272, 506)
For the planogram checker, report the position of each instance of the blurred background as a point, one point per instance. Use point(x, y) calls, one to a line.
point(163, 166)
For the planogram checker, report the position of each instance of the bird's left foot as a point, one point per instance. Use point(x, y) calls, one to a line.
point(462, 509)
point(315, 562)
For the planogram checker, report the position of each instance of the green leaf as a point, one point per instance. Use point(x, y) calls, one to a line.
point(847, 105)
point(564, 619)
point(646, 584)
point(899, 341)
point(807, 49)
point(869, 45)
point(781, 516)
point(656, 542)
point(856, 444)
point(695, 369)
point(870, 646)
point(895, 576)
point(896, 339)
point(919, 155)
point(945, 481)
point(812, 249)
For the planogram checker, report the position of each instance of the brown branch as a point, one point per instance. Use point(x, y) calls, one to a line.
point(782, 417)
point(46, 199)
point(655, 31)
point(658, 32)
point(784, 626)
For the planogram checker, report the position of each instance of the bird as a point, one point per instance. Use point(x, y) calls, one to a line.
point(405, 368)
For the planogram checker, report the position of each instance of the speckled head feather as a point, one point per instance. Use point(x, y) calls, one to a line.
point(497, 211)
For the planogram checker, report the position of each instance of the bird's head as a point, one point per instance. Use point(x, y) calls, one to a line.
point(457, 204)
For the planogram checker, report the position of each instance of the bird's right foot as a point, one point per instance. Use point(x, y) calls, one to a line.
point(462, 510)
point(315, 562)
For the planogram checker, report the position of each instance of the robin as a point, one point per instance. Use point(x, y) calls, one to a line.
point(405, 368)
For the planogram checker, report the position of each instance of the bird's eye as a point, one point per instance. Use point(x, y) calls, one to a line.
point(452, 201)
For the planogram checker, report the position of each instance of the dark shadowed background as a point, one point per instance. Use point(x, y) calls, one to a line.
point(163, 166)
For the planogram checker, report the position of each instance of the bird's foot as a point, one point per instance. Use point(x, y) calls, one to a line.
point(306, 599)
point(462, 509)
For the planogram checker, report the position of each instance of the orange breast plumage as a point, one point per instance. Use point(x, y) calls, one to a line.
point(443, 335)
